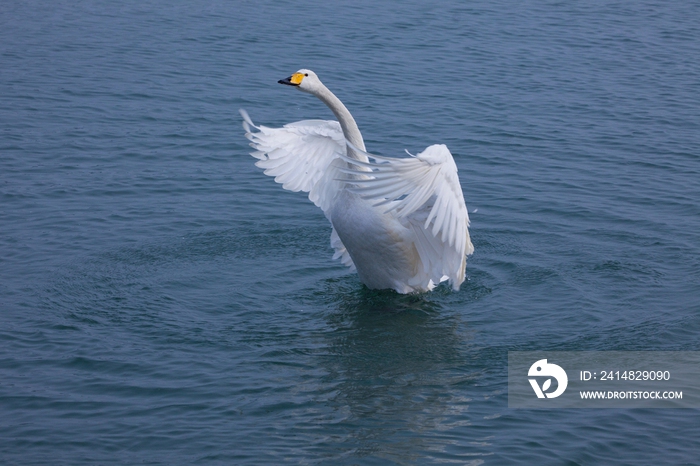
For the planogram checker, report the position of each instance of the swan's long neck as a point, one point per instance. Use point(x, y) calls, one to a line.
point(347, 122)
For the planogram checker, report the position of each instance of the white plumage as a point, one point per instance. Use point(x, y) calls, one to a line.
point(400, 222)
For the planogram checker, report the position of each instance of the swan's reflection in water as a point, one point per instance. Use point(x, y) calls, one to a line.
point(402, 369)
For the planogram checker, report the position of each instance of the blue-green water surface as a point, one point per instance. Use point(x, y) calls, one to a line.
point(164, 302)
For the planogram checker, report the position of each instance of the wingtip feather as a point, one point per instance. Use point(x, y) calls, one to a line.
point(247, 122)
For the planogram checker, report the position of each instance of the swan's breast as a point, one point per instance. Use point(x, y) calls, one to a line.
point(377, 243)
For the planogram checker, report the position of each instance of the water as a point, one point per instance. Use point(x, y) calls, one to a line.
point(162, 301)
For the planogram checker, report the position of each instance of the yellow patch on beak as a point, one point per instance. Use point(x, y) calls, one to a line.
point(296, 78)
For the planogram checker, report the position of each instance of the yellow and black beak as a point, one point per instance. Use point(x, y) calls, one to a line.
point(293, 80)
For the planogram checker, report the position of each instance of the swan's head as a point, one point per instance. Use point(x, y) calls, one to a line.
point(304, 80)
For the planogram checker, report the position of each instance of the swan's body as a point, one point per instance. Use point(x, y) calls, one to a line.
point(400, 222)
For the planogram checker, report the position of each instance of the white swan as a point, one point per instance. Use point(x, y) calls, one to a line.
point(400, 222)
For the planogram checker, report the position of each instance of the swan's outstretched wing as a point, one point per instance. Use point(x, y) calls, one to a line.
point(424, 192)
point(297, 154)
point(301, 157)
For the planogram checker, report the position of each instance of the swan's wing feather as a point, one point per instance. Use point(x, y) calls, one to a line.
point(303, 156)
point(298, 154)
point(412, 182)
point(425, 194)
